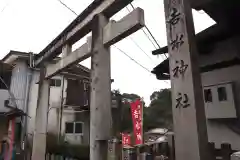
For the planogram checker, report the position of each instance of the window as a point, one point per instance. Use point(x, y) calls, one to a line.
point(222, 94)
point(6, 79)
point(85, 98)
point(86, 93)
point(78, 128)
point(2, 85)
point(74, 128)
point(55, 82)
point(69, 127)
point(85, 85)
point(208, 95)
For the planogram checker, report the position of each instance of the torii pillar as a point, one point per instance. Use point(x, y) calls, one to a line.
point(191, 142)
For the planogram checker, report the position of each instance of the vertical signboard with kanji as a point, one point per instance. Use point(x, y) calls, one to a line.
point(136, 110)
point(126, 140)
point(188, 107)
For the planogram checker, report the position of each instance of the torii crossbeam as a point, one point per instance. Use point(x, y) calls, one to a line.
point(104, 34)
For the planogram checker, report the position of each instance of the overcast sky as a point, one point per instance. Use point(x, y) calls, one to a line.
point(30, 25)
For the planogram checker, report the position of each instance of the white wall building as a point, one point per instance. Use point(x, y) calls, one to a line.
point(219, 65)
point(68, 101)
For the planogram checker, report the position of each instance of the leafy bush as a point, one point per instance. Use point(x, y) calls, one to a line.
point(66, 149)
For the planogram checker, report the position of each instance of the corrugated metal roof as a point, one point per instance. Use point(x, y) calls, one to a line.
point(157, 131)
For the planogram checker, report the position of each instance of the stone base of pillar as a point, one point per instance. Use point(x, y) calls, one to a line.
point(39, 151)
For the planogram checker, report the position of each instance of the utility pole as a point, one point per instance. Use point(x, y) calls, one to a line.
point(100, 105)
point(191, 142)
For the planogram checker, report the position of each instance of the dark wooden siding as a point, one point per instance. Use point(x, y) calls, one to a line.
point(77, 94)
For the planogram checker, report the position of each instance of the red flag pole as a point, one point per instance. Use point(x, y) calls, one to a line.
point(11, 135)
point(142, 120)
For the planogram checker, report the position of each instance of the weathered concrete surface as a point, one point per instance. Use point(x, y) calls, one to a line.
point(191, 142)
point(40, 133)
point(112, 33)
point(100, 105)
point(80, 26)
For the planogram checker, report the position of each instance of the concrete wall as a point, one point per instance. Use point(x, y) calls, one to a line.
point(218, 132)
point(54, 109)
point(54, 105)
point(220, 108)
point(4, 95)
point(85, 118)
point(225, 75)
point(72, 116)
point(18, 85)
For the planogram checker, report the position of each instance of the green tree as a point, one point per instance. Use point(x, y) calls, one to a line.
point(157, 115)
point(159, 112)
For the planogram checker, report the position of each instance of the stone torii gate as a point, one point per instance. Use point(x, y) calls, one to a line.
point(104, 34)
point(188, 108)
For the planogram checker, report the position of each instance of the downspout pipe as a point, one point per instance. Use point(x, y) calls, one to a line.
point(26, 102)
point(61, 110)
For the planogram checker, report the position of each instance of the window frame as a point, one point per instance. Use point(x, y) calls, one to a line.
point(58, 82)
point(85, 100)
point(66, 127)
point(222, 98)
point(205, 92)
point(75, 123)
point(74, 128)
point(54, 82)
point(86, 86)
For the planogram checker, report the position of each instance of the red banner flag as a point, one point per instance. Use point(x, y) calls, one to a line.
point(126, 140)
point(136, 108)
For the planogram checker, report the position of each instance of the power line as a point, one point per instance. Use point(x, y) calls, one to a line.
point(141, 48)
point(149, 33)
point(128, 9)
point(3, 9)
point(136, 44)
point(115, 45)
point(149, 38)
point(132, 6)
point(132, 59)
point(136, 62)
point(130, 37)
point(68, 7)
point(144, 32)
